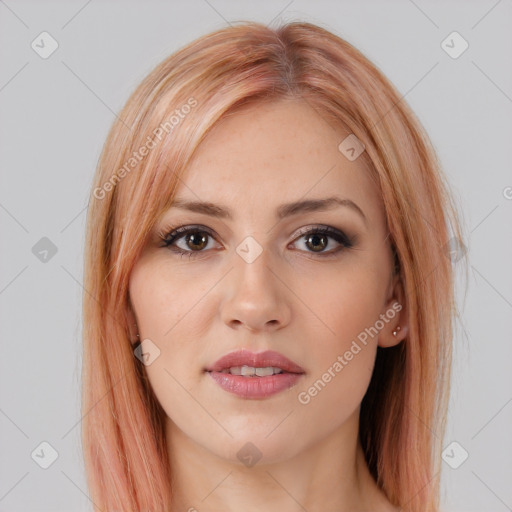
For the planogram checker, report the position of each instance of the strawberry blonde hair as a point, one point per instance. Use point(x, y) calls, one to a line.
point(403, 413)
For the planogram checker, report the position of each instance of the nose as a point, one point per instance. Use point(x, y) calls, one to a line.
point(256, 296)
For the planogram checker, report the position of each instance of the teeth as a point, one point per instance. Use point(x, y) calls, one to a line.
point(264, 372)
point(249, 371)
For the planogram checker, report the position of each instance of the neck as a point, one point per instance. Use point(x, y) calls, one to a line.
point(330, 475)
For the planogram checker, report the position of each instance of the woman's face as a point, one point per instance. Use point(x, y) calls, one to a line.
point(254, 280)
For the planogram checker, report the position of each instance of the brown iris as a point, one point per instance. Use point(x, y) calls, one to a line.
point(314, 238)
point(198, 239)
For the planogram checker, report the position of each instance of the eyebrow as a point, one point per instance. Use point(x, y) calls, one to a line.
point(283, 211)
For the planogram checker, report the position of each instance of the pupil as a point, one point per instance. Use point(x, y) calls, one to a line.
point(201, 240)
point(316, 237)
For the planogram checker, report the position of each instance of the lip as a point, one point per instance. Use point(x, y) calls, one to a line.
point(255, 387)
point(260, 359)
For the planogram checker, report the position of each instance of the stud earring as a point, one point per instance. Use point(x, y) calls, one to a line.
point(138, 336)
point(397, 329)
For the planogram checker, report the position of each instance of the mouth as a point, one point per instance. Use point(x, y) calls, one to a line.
point(260, 362)
point(251, 371)
point(255, 376)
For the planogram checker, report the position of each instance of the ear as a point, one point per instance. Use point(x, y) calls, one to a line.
point(395, 315)
point(131, 323)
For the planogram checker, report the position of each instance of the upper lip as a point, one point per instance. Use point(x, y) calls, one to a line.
point(255, 360)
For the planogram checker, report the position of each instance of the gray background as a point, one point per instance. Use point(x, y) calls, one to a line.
point(54, 117)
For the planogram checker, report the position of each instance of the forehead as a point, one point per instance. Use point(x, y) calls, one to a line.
point(276, 152)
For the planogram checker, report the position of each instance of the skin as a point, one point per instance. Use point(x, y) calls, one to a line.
point(291, 299)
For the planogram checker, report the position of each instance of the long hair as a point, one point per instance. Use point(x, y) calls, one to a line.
point(402, 417)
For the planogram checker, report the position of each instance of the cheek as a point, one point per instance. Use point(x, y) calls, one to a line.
point(167, 302)
point(339, 304)
point(171, 314)
point(346, 305)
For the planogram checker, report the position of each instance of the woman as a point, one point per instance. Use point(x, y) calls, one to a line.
point(269, 293)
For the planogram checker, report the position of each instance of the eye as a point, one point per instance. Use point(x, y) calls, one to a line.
point(193, 239)
point(316, 240)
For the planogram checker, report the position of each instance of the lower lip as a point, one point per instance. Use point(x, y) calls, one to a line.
point(255, 387)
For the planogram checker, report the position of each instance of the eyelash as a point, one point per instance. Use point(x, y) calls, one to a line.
point(171, 235)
